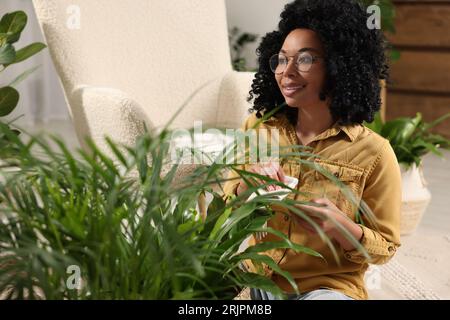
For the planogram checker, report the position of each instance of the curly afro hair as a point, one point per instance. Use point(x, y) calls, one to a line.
point(355, 59)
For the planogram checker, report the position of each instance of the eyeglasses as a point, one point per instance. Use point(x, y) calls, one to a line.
point(303, 61)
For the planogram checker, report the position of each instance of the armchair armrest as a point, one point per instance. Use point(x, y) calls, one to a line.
point(98, 112)
point(233, 105)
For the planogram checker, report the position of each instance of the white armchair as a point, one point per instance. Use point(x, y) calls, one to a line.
point(122, 63)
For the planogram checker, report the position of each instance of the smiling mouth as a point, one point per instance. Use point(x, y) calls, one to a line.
point(291, 90)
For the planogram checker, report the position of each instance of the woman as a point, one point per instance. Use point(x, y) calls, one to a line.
point(326, 65)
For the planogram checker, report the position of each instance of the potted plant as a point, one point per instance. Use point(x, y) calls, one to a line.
point(238, 41)
point(11, 27)
point(88, 226)
point(411, 139)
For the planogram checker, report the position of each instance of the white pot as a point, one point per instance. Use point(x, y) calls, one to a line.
point(415, 198)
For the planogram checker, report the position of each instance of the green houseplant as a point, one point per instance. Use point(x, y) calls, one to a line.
point(412, 139)
point(132, 237)
point(131, 231)
point(238, 41)
point(11, 27)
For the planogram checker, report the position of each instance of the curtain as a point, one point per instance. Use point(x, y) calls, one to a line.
point(41, 95)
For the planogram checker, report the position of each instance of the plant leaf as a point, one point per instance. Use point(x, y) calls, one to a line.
point(12, 24)
point(376, 125)
point(219, 223)
point(436, 122)
point(23, 76)
point(253, 280)
point(7, 54)
point(266, 246)
point(399, 130)
point(269, 262)
point(395, 54)
point(9, 98)
point(28, 51)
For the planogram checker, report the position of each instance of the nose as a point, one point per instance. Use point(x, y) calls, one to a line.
point(291, 68)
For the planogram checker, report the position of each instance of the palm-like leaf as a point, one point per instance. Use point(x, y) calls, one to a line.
point(130, 229)
point(411, 138)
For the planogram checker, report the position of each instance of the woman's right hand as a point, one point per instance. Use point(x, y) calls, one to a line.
point(270, 169)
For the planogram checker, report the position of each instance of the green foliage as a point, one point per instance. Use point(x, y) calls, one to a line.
point(238, 41)
point(134, 232)
point(411, 138)
point(9, 97)
point(11, 27)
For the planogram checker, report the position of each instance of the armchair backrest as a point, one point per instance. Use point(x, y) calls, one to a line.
point(157, 51)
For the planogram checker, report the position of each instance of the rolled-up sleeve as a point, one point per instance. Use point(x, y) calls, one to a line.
point(383, 195)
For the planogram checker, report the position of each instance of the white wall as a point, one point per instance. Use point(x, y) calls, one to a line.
point(254, 16)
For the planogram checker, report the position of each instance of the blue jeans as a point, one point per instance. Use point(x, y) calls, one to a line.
point(319, 294)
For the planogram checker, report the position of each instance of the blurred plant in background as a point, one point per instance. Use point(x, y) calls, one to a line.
point(11, 27)
point(411, 138)
point(238, 41)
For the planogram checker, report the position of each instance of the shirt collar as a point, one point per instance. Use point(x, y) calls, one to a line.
point(351, 130)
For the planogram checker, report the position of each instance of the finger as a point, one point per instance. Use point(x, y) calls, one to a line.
point(259, 171)
point(271, 173)
point(312, 211)
point(306, 225)
point(253, 180)
point(324, 201)
point(307, 216)
point(327, 203)
point(316, 204)
point(281, 175)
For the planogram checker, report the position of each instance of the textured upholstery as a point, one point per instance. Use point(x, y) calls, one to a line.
point(145, 58)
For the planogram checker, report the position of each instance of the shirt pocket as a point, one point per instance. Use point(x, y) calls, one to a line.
point(341, 183)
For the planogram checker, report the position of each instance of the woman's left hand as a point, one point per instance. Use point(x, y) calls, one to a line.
point(327, 217)
point(323, 215)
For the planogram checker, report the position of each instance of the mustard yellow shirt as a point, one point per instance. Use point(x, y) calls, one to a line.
point(366, 163)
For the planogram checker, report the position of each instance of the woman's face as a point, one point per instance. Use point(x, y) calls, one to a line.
point(302, 88)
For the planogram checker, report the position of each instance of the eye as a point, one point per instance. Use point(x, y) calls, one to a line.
point(282, 60)
point(305, 59)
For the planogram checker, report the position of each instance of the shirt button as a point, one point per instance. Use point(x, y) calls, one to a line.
point(391, 249)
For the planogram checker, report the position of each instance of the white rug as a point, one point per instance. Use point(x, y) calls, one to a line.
point(420, 270)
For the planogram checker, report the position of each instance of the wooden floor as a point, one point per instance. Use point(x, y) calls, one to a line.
point(421, 268)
